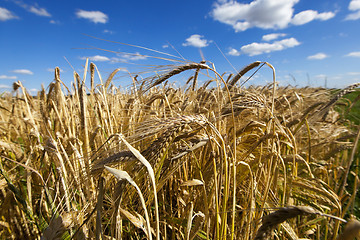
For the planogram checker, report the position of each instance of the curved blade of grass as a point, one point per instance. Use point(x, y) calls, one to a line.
point(123, 175)
point(145, 162)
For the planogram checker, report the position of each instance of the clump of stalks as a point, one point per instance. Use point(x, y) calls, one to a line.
point(211, 161)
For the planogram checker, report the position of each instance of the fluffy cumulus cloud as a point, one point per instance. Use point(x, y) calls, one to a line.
point(318, 56)
point(23, 71)
point(310, 15)
point(266, 14)
point(96, 58)
point(93, 16)
point(353, 54)
point(196, 40)
point(354, 6)
point(8, 77)
point(234, 52)
point(6, 14)
point(260, 48)
point(272, 36)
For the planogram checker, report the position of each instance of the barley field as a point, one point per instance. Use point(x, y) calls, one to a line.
point(215, 160)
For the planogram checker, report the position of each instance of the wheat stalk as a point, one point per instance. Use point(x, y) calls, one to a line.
point(122, 175)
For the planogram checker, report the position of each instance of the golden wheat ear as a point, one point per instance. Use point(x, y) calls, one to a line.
point(156, 81)
point(243, 71)
point(270, 221)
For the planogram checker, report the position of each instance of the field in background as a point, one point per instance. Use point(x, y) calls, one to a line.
point(225, 162)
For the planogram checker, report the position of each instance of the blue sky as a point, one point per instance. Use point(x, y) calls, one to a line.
point(308, 42)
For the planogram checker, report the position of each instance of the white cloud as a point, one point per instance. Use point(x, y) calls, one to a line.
point(353, 73)
point(54, 22)
point(126, 57)
point(266, 14)
point(6, 14)
point(108, 31)
point(33, 9)
point(5, 86)
point(260, 48)
point(23, 71)
point(93, 16)
point(353, 54)
point(133, 56)
point(196, 40)
point(272, 36)
point(96, 58)
point(353, 16)
point(234, 52)
point(318, 56)
point(325, 16)
point(123, 69)
point(304, 17)
point(321, 76)
point(33, 91)
point(117, 60)
point(310, 15)
point(354, 5)
point(39, 11)
point(53, 70)
point(8, 77)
